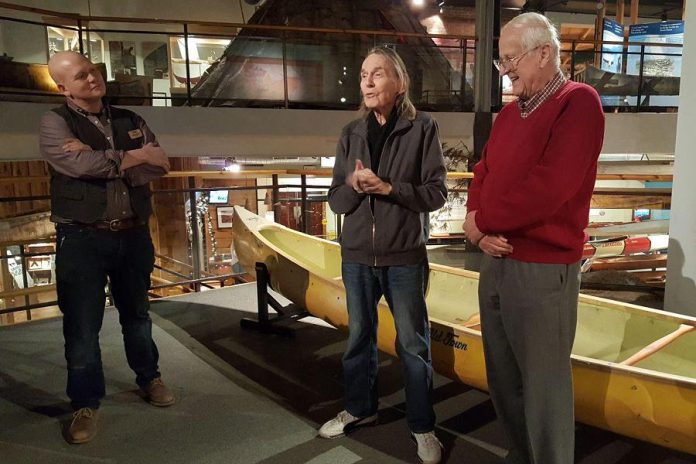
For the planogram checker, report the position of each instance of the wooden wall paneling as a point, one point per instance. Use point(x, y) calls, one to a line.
point(39, 187)
point(22, 187)
point(7, 209)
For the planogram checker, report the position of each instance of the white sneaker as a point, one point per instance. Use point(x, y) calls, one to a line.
point(429, 447)
point(343, 423)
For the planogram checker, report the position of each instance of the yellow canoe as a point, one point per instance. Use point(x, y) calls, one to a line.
point(634, 368)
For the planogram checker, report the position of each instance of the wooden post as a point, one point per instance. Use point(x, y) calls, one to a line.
point(634, 11)
point(6, 285)
point(599, 31)
point(619, 11)
point(684, 10)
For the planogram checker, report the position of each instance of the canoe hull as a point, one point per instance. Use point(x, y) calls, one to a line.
point(622, 399)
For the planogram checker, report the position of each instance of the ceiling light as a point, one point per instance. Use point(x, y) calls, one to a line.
point(231, 165)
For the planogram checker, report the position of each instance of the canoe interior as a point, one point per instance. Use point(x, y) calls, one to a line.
point(678, 358)
point(319, 257)
point(613, 335)
point(606, 332)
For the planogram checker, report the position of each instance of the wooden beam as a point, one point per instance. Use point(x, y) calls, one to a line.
point(27, 227)
point(630, 262)
point(634, 11)
point(28, 291)
point(620, 11)
point(599, 30)
point(24, 179)
point(631, 198)
point(629, 202)
point(636, 192)
point(641, 177)
point(6, 281)
point(226, 174)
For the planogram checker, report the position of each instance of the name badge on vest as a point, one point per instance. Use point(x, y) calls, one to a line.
point(135, 134)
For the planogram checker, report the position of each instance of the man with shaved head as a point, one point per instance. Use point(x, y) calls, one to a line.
point(528, 206)
point(101, 160)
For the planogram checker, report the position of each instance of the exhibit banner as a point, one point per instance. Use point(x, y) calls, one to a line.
point(657, 61)
point(612, 53)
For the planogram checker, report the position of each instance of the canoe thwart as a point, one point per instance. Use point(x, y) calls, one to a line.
point(473, 322)
point(657, 345)
point(264, 323)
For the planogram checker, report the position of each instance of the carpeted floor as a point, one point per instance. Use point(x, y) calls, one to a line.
point(243, 397)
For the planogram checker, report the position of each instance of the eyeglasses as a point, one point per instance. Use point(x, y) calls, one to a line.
point(508, 64)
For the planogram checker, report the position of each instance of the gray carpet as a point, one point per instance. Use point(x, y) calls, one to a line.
point(243, 397)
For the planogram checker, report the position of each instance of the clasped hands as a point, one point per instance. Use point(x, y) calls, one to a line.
point(363, 180)
point(495, 245)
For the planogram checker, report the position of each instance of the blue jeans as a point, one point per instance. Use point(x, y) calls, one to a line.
point(84, 259)
point(404, 289)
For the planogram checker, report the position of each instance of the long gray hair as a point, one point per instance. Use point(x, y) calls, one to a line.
point(403, 101)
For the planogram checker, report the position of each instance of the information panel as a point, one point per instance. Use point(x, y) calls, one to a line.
point(612, 54)
point(658, 61)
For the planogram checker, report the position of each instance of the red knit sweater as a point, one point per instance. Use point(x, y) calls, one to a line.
point(534, 182)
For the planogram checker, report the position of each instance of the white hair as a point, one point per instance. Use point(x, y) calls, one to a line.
point(537, 30)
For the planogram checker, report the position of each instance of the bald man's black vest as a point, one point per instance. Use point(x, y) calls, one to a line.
point(84, 200)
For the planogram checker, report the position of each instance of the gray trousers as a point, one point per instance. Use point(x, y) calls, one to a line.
point(528, 318)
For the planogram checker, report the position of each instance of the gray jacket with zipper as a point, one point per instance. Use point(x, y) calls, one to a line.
point(412, 162)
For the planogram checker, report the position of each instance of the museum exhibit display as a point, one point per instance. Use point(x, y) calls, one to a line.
point(634, 367)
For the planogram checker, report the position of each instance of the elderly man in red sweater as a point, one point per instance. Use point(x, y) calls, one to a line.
point(527, 208)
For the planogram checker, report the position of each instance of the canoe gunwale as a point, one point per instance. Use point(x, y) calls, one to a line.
point(457, 327)
point(609, 366)
point(636, 309)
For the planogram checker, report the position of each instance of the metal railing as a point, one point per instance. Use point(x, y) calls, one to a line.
point(194, 271)
point(286, 51)
point(196, 276)
point(314, 60)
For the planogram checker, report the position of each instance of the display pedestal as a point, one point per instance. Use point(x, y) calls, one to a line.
point(286, 314)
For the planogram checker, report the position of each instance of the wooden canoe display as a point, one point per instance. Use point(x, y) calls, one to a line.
point(634, 368)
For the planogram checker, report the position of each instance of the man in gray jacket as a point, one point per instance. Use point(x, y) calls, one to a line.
point(389, 174)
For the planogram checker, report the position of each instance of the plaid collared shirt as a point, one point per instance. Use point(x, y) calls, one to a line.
point(528, 106)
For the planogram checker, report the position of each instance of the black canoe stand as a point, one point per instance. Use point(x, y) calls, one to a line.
point(286, 314)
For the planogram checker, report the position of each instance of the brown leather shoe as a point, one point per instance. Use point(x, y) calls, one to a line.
point(83, 426)
point(157, 393)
